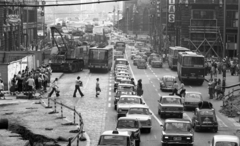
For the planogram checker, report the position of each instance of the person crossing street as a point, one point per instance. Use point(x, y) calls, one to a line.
point(78, 84)
point(175, 88)
point(98, 89)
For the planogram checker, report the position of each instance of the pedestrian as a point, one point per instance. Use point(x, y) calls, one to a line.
point(182, 90)
point(139, 88)
point(1, 85)
point(98, 89)
point(78, 84)
point(175, 88)
point(54, 87)
point(31, 86)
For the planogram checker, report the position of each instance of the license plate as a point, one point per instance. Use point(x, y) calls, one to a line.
point(205, 122)
point(177, 138)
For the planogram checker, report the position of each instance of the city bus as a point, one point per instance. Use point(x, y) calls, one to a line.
point(173, 55)
point(100, 59)
point(191, 67)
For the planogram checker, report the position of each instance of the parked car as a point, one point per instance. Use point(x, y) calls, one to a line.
point(192, 99)
point(142, 64)
point(125, 102)
point(130, 124)
point(143, 114)
point(120, 61)
point(177, 131)
point(224, 140)
point(166, 82)
point(121, 67)
point(114, 137)
point(205, 118)
point(170, 106)
point(120, 71)
point(156, 62)
point(119, 93)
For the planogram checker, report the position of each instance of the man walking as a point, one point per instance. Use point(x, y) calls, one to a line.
point(175, 88)
point(78, 83)
point(98, 89)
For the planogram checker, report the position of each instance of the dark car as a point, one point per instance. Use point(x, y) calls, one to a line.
point(177, 131)
point(205, 118)
point(166, 82)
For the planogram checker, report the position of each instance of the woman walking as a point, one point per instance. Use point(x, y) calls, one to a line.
point(139, 88)
point(54, 87)
point(98, 89)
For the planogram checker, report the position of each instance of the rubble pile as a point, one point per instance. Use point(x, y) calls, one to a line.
point(230, 110)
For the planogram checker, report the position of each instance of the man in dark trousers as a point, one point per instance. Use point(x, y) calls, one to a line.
point(78, 84)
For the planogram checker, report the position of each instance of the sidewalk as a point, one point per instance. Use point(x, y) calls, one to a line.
point(41, 125)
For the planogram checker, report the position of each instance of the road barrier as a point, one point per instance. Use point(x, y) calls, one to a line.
point(80, 132)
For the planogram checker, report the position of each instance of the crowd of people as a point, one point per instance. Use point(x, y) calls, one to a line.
point(33, 80)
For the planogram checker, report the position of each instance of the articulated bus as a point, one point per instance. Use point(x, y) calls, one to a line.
point(100, 59)
point(191, 67)
point(173, 55)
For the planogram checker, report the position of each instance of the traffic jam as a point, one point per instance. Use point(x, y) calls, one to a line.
point(133, 115)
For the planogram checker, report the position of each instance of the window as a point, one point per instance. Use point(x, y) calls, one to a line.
point(231, 39)
point(203, 14)
point(190, 61)
point(181, 127)
point(98, 54)
point(232, 19)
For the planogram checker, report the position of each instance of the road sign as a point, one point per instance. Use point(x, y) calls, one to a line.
point(171, 18)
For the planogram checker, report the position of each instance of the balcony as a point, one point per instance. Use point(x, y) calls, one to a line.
point(231, 46)
point(203, 29)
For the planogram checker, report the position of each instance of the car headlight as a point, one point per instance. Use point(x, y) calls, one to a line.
point(119, 110)
point(166, 137)
point(188, 138)
point(149, 121)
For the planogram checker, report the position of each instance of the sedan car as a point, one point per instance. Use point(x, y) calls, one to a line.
point(125, 102)
point(192, 99)
point(224, 140)
point(136, 59)
point(177, 131)
point(142, 64)
point(123, 74)
point(121, 67)
point(170, 106)
point(131, 125)
point(156, 62)
point(153, 55)
point(143, 114)
point(166, 82)
point(120, 92)
point(120, 70)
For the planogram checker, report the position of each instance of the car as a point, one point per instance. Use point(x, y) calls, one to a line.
point(191, 100)
point(130, 124)
point(166, 82)
point(120, 70)
point(143, 114)
point(177, 131)
point(205, 118)
point(114, 137)
point(120, 92)
point(132, 56)
point(125, 87)
point(136, 59)
point(118, 54)
point(124, 103)
point(145, 57)
point(170, 106)
point(224, 140)
point(120, 61)
point(151, 57)
point(142, 64)
point(121, 67)
point(156, 62)
point(118, 75)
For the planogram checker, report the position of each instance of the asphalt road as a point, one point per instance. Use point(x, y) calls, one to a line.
point(150, 79)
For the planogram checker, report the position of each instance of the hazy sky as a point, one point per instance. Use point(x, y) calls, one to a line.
point(107, 7)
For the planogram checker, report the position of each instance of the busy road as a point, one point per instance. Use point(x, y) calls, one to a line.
point(150, 80)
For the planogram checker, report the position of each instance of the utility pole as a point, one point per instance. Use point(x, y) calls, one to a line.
point(160, 27)
point(224, 28)
point(127, 19)
point(118, 19)
point(238, 42)
point(114, 16)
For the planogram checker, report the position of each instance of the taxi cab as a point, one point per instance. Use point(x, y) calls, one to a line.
point(224, 140)
point(114, 137)
point(142, 64)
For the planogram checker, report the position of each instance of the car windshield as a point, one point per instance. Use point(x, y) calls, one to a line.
point(226, 143)
point(129, 100)
point(206, 112)
point(178, 127)
point(113, 140)
point(141, 111)
point(171, 100)
point(126, 92)
point(121, 62)
point(127, 124)
point(193, 97)
point(168, 79)
point(125, 82)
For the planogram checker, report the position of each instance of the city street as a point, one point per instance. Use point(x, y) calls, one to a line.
point(150, 78)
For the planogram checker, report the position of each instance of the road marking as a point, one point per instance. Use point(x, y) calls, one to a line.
point(154, 73)
point(110, 75)
point(110, 80)
point(110, 93)
point(109, 98)
point(155, 136)
point(87, 82)
point(159, 94)
point(109, 104)
point(110, 88)
point(110, 84)
point(221, 122)
point(153, 85)
point(159, 122)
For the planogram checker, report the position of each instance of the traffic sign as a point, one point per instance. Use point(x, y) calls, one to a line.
point(171, 18)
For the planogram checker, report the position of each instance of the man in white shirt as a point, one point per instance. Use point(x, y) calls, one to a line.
point(175, 88)
point(78, 84)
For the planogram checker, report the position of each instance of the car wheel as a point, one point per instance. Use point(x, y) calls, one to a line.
point(196, 129)
point(215, 130)
point(159, 113)
point(149, 130)
point(181, 116)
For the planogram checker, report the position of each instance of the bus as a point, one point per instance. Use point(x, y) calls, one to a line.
point(173, 56)
point(100, 59)
point(191, 67)
point(120, 46)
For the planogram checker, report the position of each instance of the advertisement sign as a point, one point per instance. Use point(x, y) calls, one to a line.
point(13, 19)
point(171, 11)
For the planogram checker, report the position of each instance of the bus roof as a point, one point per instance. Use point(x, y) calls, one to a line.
point(178, 48)
point(190, 54)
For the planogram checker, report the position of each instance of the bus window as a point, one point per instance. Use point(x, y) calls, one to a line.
point(193, 61)
point(98, 54)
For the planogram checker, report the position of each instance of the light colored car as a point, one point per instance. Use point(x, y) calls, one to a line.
point(170, 106)
point(143, 114)
point(122, 74)
point(131, 125)
point(156, 62)
point(124, 103)
point(120, 61)
point(142, 64)
point(120, 92)
point(119, 138)
point(224, 140)
point(136, 59)
point(120, 70)
point(192, 99)
point(121, 67)
point(153, 55)
point(166, 82)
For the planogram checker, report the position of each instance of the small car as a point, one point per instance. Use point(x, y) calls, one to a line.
point(126, 86)
point(192, 99)
point(205, 118)
point(124, 103)
point(142, 64)
point(121, 61)
point(156, 62)
point(136, 59)
point(121, 92)
point(114, 137)
point(170, 106)
point(166, 82)
point(177, 131)
point(124, 74)
point(224, 140)
point(132, 56)
point(118, 56)
point(121, 67)
point(143, 114)
point(131, 125)
point(151, 57)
